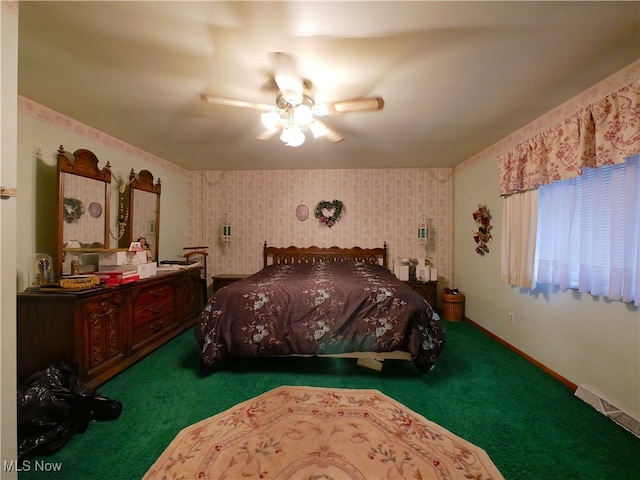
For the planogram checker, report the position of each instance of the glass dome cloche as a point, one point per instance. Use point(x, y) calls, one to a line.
point(41, 270)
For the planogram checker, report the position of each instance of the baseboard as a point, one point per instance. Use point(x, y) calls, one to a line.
point(541, 366)
point(620, 417)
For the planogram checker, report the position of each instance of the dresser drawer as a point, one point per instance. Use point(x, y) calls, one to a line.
point(153, 303)
point(153, 313)
point(145, 333)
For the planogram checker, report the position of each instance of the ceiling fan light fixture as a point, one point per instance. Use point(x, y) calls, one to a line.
point(292, 136)
point(320, 110)
point(302, 115)
point(295, 112)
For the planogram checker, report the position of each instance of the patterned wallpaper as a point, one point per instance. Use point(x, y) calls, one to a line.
point(381, 205)
point(145, 214)
point(82, 192)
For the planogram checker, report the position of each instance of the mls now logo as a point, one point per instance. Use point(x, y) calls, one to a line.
point(29, 465)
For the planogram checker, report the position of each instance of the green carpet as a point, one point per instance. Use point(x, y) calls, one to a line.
point(531, 425)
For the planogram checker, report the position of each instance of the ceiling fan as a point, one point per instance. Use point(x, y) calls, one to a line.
point(295, 110)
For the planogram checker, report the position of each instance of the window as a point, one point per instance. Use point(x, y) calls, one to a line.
point(589, 232)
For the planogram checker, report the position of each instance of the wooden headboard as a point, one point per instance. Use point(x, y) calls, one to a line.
point(331, 254)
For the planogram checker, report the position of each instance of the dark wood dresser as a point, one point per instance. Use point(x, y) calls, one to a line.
point(105, 329)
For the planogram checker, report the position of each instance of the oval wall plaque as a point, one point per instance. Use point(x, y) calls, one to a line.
point(302, 213)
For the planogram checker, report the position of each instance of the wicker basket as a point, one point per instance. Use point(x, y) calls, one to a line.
point(453, 307)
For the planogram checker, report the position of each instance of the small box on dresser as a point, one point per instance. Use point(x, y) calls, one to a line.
point(120, 257)
point(146, 270)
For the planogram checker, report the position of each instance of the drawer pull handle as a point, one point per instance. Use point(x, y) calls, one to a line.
point(155, 310)
point(155, 327)
point(155, 293)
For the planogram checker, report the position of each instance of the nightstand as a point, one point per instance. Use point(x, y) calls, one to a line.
point(426, 289)
point(225, 279)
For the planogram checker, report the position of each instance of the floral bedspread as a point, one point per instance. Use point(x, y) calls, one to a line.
point(319, 308)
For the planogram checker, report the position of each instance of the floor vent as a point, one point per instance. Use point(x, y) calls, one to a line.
point(623, 419)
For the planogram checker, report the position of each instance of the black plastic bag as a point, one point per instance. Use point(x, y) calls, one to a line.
point(53, 405)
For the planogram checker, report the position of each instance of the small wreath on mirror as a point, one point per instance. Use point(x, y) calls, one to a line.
point(73, 209)
point(335, 209)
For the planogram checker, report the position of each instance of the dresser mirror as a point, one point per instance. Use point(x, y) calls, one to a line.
point(83, 207)
point(144, 211)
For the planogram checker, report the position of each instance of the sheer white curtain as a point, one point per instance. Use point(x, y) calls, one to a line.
point(556, 227)
point(625, 262)
point(589, 232)
point(519, 219)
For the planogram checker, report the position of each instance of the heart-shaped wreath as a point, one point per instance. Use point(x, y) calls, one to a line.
point(334, 210)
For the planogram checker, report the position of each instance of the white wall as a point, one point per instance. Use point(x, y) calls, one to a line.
point(587, 340)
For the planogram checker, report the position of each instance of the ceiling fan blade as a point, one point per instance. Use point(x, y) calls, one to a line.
point(286, 76)
point(232, 102)
point(267, 134)
point(320, 129)
point(333, 136)
point(365, 104)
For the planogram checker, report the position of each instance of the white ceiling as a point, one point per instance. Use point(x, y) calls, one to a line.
point(456, 76)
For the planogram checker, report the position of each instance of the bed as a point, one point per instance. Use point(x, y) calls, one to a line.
point(313, 301)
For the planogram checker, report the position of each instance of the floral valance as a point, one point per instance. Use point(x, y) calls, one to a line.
point(602, 133)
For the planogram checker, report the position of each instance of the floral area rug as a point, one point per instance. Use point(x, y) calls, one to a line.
point(320, 434)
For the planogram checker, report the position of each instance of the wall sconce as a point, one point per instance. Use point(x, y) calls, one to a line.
point(425, 231)
point(226, 231)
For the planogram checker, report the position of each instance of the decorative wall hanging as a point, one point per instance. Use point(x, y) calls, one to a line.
point(333, 213)
point(121, 223)
point(123, 216)
point(482, 233)
point(120, 184)
point(73, 209)
point(302, 212)
point(95, 209)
